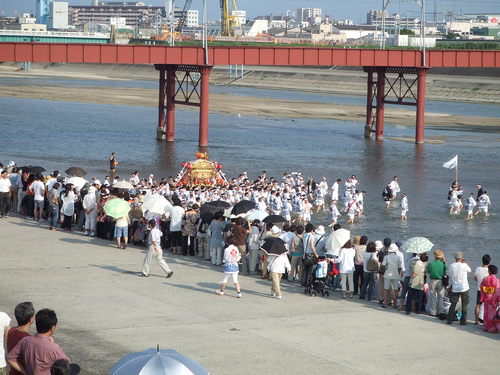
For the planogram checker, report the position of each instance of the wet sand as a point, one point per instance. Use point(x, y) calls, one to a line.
point(250, 106)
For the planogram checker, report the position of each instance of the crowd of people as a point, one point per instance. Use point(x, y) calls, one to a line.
point(370, 269)
point(28, 354)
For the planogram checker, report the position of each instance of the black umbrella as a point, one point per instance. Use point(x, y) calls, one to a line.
point(274, 219)
point(221, 205)
point(274, 245)
point(242, 207)
point(76, 171)
point(36, 169)
point(209, 209)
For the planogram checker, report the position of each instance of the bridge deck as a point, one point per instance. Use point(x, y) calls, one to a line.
point(244, 55)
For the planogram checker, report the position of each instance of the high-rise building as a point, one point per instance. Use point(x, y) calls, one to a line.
point(307, 14)
point(58, 15)
point(42, 11)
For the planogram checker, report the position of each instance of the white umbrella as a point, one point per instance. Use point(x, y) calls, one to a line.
point(157, 362)
point(257, 215)
point(337, 239)
point(156, 204)
point(77, 182)
point(123, 185)
point(417, 245)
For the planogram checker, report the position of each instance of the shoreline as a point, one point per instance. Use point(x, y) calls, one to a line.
point(230, 104)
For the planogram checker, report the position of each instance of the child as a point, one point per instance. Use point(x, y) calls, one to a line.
point(231, 258)
point(277, 268)
point(404, 206)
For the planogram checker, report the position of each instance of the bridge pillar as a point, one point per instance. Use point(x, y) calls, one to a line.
point(170, 96)
point(369, 104)
point(160, 130)
point(379, 130)
point(419, 133)
point(204, 101)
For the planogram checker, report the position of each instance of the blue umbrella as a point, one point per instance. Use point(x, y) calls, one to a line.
point(157, 362)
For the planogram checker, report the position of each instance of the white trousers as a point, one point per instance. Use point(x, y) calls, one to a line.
point(91, 220)
point(216, 255)
point(158, 257)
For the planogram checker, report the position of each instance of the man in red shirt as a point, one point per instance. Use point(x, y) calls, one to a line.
point(34, 355)
point(25, 316)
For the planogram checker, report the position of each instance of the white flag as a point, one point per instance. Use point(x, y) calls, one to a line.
point(453, 163)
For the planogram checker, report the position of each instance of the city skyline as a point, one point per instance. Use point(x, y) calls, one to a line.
point(337, 9)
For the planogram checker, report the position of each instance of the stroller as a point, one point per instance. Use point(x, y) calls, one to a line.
point(317, 281)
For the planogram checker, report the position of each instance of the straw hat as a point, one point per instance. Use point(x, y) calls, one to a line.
point(438, 254)
point(357, 240)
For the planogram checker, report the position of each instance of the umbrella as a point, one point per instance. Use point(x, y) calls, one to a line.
point(123, 185)
point(76, 171)
point(77, 182)
point(337, 239)
point(257, 215)
point(157, 362)
point(274, 245)
point(157, 204)
point(36, 169)
point(242, 207)
point(274, 219)
point(221, 205)
point(116, 208)
point(417, 245)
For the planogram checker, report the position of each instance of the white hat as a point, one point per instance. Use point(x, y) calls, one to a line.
point(275, 230)
point(392, 248)
point(379, 245)
point(320, 230)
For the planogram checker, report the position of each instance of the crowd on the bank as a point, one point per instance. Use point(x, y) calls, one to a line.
point(371, 269)
point(29, 354)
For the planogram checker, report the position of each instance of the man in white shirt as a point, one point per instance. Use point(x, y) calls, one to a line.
point(176, 214)
point(38, 188)
point(4, 193)
point(457, 273)
point(155, 251)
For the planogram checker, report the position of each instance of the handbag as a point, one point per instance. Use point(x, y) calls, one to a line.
point(445, 280)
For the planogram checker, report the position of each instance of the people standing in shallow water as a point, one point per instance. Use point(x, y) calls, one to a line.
point(113, 162)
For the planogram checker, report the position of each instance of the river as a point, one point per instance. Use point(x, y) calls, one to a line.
point(57, 135)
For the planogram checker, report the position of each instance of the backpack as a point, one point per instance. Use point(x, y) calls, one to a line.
point(372, 265)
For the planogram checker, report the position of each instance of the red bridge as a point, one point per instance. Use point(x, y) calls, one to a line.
point(191, 87)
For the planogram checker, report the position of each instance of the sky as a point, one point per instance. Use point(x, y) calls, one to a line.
point(338, 9)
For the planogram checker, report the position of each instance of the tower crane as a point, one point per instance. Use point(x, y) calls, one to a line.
point(229, 22)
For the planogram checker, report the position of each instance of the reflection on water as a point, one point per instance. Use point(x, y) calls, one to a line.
point(59, 134)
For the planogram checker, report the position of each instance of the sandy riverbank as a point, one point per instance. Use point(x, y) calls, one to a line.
point(250, 106)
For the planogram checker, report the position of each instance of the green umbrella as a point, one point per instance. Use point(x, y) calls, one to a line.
point(417, 245)
point(116, 208)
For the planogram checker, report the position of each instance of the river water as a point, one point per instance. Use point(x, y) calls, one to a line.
point(57, 135)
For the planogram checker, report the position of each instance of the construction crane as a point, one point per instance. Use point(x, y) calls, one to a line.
point(229, 20)
point(182, 20)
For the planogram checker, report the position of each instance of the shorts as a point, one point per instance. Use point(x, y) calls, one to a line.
point(403, 212)
point(227, 275)
point(391, 282)
point(478, 298)
point(39, 205)
point(121, 232)
point(176, 238)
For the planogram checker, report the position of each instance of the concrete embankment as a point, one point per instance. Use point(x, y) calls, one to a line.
point(105, 311)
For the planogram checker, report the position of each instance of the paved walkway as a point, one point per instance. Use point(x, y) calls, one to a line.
point(106, 311)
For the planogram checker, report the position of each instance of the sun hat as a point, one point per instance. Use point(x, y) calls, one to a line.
point(275, 229)
point(459, 255)
point(379, 245)
point(392, 248)
point(438, 254)
point(320, 230)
